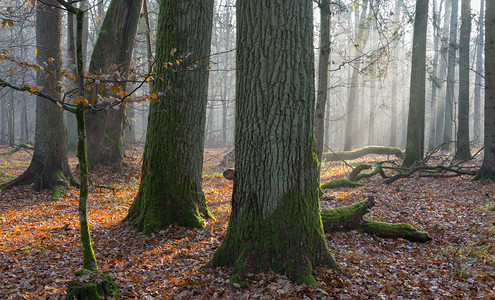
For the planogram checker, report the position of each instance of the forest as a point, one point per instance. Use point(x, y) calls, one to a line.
point(237, 149)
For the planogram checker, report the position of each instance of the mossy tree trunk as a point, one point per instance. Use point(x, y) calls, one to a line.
point(275, 221)
point(463, 149)
point(171, 180)
point(49, 168)
point(487, 169)
point(416, 117)
point(112, 52)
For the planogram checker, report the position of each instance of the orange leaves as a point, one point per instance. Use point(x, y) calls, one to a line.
point(7, 22)
point(80, 99)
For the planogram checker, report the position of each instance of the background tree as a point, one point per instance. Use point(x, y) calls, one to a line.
point(49, 168)
point(463, 149)
point(416, 118)
point(487, 170)
point(275, 221)
point(477, 116)
point(111, 56)
point(170, 190)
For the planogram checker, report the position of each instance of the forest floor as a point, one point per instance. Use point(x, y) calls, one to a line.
point(40, 248)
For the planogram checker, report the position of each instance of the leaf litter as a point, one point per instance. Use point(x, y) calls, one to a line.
point(40, 248)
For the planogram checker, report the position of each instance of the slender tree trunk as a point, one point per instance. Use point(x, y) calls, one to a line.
point(434, 77)
point(275, 222)
point(171, 180)
point(479, 76)
point(112, 53)
point(359, 43)
point(440, 105)
point(463, 150)
point(395, 75)
point(322, 92)
point(451, 66)
point(71, 122)
point(487, 169)
point(416, 116)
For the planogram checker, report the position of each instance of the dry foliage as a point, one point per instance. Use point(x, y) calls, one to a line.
point(40, 249)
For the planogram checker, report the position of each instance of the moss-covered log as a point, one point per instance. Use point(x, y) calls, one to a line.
point(353, 177)
point(17, 148)
point(91, 285)
point(349, 155)
point(351, 218)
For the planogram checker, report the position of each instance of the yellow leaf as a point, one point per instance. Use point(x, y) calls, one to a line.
point(209, 68)
point(88, 87)
point(11, 71)
point(177, 62)
point(59, 104)
point(47, 75)
point(154, 96)
point(50, 59)
point(35, 51)
point(80, 99)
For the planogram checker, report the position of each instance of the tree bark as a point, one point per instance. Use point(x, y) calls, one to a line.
point(463, 149)
point(112, 53)
point(487, 169)
point(275, 222)
point(171, 180)
point(416, 117)
point(434, 76)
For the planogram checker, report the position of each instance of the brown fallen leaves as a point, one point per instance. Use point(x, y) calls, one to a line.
point(40, 249)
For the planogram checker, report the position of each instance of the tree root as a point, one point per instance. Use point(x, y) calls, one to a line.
point(354, 176)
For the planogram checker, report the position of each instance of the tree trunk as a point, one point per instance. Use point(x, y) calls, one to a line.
point(479, 76)
point(434, 78)
point(112, 53)
point(49, 168)
point(71, 122)
point(440, 107)
point(170, 189)
point(416, 116)
point(322, 92)
point(487, 169)
point(275, 222)
point(451, 65)
point(360, 41)
point(463, 150)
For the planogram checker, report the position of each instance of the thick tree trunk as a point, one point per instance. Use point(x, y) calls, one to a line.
point(170, 189)
point(487, 169)
point(275, 221)
point(350, 217)
point(322, 92)
point(463, 149)
point(477, 114)
point(416, 116)
point(49, 168)
point(451, 66)
point(112, 52)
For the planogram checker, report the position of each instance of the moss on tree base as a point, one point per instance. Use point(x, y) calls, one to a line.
point(91, 285)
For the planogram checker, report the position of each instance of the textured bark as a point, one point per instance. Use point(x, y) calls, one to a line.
point(477, 114)
point(433, 77)
point(416, 117)
point(350, 217)
point(487, 169)
point(112, 52)
point(349, 155)
point(451, 66)
point(322, 92)
point(395, 70)
point(49, 168)
point(463, 150)
point(170, 189)
point(275, 221)
point(359, 43)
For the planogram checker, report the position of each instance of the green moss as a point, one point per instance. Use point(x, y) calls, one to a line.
point(341, 182)
point(91, 285)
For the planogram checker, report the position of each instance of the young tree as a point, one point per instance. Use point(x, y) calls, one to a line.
point(463, 150)
point(487, 169)
point(416, 117)
point(170, 189)
point(49, 168)
point(111, 55)
point(275, 222)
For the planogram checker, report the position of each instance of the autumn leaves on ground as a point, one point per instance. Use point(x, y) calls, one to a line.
point(40, 247)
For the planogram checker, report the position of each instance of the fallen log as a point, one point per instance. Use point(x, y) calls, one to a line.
point(17, 148)
point(349, 155)
point(350, 217)
point(352, 179)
